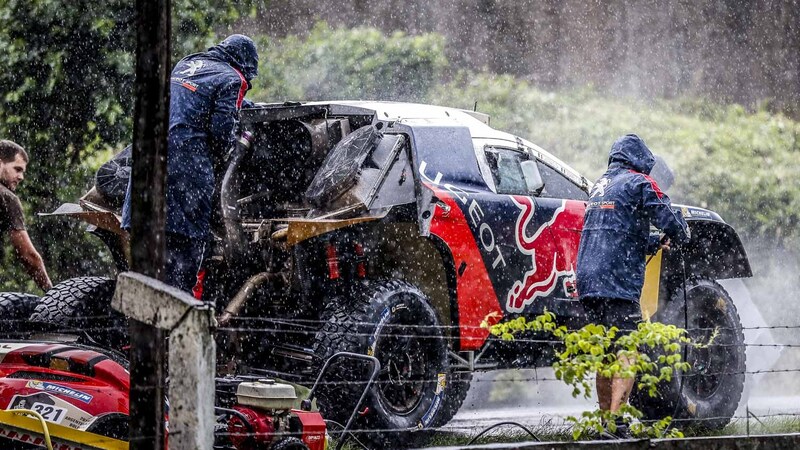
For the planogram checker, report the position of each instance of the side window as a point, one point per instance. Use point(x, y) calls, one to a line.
point(504, 165)
point(557, 185)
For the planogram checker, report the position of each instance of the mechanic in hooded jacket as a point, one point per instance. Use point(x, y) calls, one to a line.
point(206, 93)
point(615, 239)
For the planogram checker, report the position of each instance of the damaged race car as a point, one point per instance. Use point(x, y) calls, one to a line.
point(394, 230)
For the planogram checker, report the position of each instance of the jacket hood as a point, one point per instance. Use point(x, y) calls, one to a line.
point(631, 151)
point(240, 52)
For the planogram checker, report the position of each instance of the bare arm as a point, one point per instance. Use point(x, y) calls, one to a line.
point(30, 258)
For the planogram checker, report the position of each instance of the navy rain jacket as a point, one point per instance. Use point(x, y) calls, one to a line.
point(616, 231)
point(206, 92)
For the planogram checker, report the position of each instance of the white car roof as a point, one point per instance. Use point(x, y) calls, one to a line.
point(478, 124)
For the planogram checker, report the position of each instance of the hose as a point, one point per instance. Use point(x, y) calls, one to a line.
point(498, 424)
point(45, 429)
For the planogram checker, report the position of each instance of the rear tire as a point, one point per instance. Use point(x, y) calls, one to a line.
point(15, 308)
point(82, 307)
point(707, 396)
point(415, 389)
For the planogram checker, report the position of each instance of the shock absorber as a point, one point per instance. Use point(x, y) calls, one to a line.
point(332, 260)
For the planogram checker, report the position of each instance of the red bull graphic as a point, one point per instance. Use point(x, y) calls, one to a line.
point(553, 251)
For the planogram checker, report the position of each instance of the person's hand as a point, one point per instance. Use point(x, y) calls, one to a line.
point(664, 243)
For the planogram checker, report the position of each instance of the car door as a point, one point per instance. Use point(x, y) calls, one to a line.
point(533, 268)
point(568, 201)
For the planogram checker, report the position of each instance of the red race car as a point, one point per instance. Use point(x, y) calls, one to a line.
point(81, 394)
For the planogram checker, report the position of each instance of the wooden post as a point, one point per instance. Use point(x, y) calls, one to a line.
point(151, 122)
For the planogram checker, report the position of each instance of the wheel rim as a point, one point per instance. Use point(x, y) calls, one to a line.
point(407, 364)
point(709, 366)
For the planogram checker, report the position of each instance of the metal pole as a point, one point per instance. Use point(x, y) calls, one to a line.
point(151, 122)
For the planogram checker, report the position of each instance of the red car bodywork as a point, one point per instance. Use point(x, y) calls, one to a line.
point(69, 385)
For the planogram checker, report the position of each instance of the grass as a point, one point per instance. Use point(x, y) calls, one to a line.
point(756, 426)
point(550, 432)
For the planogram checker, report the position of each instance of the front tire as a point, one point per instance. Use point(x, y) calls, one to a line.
point(707, 396)
point(415, 389)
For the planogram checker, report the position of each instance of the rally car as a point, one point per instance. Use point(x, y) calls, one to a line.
point(80, 396)
point(395, 230)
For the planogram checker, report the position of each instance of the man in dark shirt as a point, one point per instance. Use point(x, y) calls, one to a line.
point(615, 239)
point(13, 163)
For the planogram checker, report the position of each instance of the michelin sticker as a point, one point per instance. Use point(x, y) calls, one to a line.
point(381, 322)
point(441, 384)
point(60, 390)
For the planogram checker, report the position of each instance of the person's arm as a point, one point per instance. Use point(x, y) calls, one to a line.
point(30, 258)
point(653, 244)
point(225, 112)
point(659, 209)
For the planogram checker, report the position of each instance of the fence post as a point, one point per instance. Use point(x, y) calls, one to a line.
point(192, 353)
point(150, 125)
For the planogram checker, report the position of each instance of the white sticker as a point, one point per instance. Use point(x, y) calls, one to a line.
point(50, 413)
point(54, 409)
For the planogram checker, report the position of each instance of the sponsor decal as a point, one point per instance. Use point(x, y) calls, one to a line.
point(396, 308)
point(54, 409)
point(606, 204)
point(571, 287)
point(442, 383)
point(429, 415)
point(694, 212)
point(548, 265)
point(485, 232)
point(387, 312)
point(60, 390)
point(188, 84)
point(192, 67)
point(599, 188)
point(50, 413)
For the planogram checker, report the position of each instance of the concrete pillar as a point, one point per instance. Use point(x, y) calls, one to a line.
point(192, 354)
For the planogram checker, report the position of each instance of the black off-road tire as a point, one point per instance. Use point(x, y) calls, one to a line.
point(706, 397)
point(415, 390)
point(15, 308)
point(113, 425)
point(289, 443)
point(82, 307)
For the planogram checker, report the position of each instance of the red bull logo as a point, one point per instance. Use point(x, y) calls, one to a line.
point(552, 248)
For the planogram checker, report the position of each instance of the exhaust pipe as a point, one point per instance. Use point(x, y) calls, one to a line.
point(235, 247)
point(237, 302)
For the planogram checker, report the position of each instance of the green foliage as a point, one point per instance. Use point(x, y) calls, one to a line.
point(359, 63)
point(593, 423)
point(66, 86)
point(596, 350)
point(742, 165)
point(67, 80)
